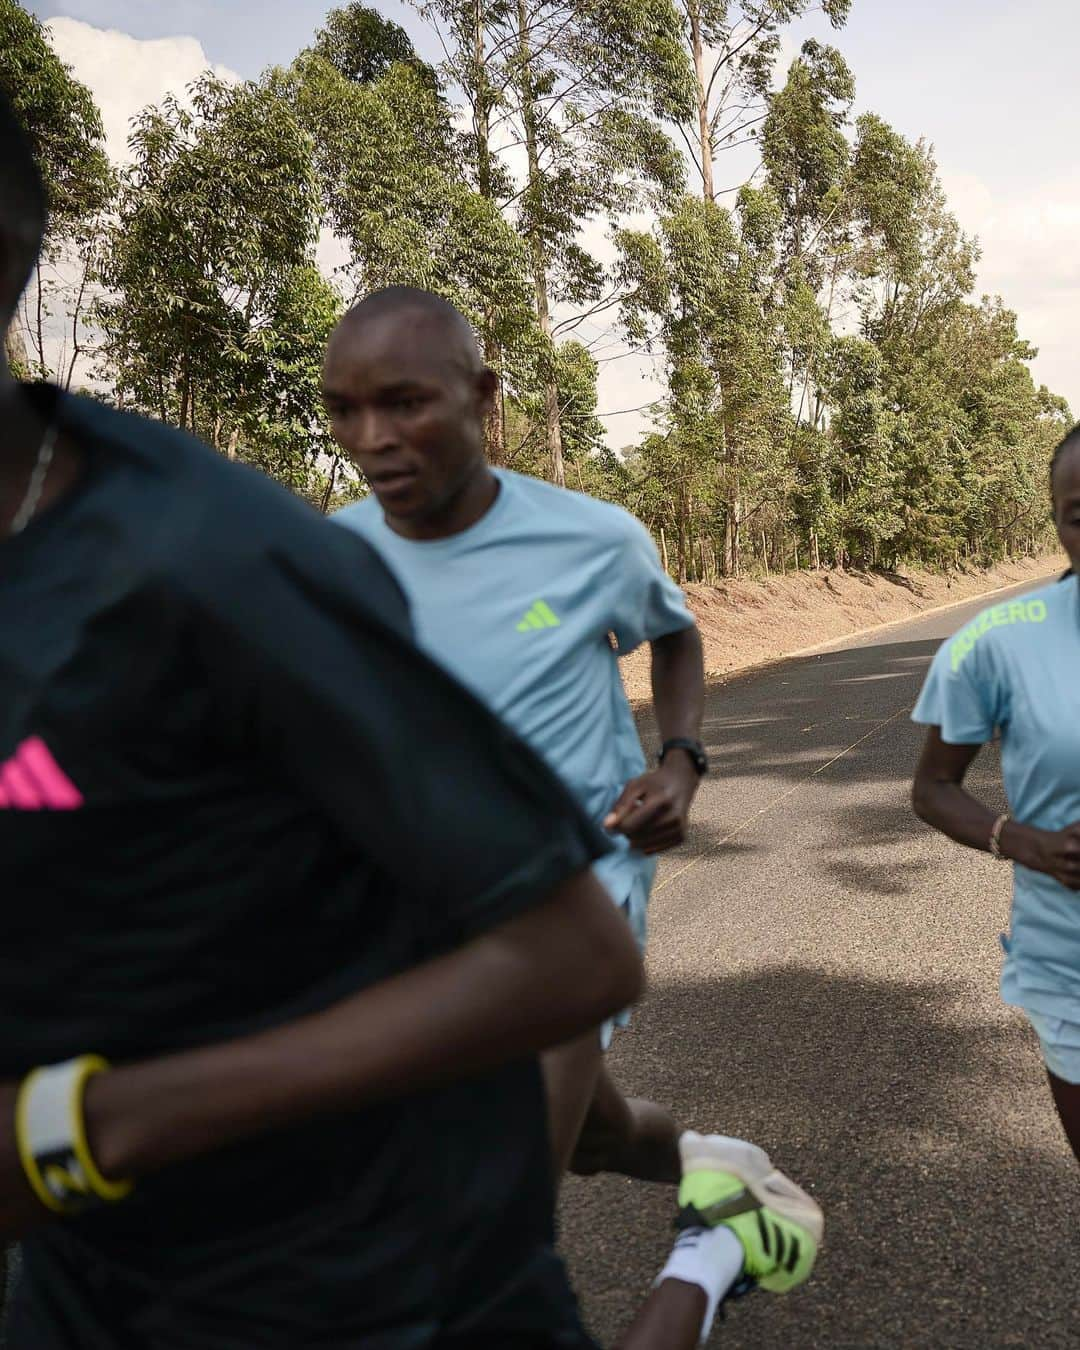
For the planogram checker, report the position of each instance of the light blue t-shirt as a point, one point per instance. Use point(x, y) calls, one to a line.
point(520, 608)
point(1017, 668)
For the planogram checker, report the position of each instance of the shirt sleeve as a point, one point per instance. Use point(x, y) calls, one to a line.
point(648, 604)
point(309, 650)
point(963, 694)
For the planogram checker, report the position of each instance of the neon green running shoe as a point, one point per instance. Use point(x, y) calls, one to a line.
point(733, 1183)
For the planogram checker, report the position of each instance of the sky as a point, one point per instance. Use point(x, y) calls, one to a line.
point(991, 83)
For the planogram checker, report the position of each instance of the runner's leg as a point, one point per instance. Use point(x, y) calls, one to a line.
point(628, 1135)
point(570, 1075)
point(1067, 1101)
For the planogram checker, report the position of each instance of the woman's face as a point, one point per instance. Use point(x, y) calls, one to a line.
point(1066, 486)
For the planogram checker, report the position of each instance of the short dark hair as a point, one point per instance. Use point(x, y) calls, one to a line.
point(403, 299)
point(23, 209)
point(1070, 441)
point(393, 299)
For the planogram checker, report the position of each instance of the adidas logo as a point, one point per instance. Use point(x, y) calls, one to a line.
point(541, 615)
point(31, 780)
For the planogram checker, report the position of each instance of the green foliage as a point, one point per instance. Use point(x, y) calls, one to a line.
point(919, 437)
point(804, 149)
point(836, 393)
point(215, 318)
point(362, 45)
point(574, 372)
point(60, 115)
point(579, 88)
point(392, 182)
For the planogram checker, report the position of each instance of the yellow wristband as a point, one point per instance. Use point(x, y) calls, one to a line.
point(50, 1131)
point(109, 1191)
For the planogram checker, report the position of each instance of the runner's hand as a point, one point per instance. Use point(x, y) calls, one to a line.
point(652, 810)
point(1059, 855)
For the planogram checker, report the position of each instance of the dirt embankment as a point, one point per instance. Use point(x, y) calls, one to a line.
point(746, 623)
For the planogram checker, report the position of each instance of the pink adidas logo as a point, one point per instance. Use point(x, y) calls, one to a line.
point(31, 780)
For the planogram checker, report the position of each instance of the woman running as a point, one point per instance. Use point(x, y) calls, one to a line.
point(1017, 668)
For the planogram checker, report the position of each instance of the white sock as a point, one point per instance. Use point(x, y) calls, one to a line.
point(711, 1258)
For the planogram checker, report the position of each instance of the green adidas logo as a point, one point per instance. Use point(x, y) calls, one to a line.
point(541, 615)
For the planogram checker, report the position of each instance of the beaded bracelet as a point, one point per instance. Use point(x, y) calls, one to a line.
point(995, 836)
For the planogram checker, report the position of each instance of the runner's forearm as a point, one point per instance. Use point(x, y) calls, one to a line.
point(955, 812)
point(940, 798)
point(678, 684)
point(950, 808)
point(536, 981)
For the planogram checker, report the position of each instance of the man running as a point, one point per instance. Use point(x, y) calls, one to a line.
point(518, 588)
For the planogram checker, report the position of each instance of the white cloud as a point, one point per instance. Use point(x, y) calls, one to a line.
point(1029, 257)
point(124, 73)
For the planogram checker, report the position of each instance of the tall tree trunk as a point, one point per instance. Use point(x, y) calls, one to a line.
point(680, 540)
point(729, 538)
point(331, 483)
point(729, 457)
point(495, 432)
point(15, 350)
point(481, 104)
point(733, 508)
point(40, 323)
point(702, 93)
point(552, 420)
point(185, 395)
point(185, 379)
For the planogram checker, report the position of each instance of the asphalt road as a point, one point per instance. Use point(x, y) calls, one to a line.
point(823, 980)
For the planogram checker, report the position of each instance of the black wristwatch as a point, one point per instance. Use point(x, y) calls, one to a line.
point(694, 749)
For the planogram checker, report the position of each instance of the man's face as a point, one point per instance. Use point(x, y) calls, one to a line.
point(407, 409)
point(1067, 503)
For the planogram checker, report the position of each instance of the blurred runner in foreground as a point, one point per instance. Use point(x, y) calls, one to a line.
point(239, 810)
point(232, 792)
point(1016, 669)
point(516, 587)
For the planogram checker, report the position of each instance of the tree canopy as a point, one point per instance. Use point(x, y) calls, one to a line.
point(836, 389)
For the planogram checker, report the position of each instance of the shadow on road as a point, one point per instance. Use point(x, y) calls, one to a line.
point(788, 720)
point(872, 1057)
point(953, 1205)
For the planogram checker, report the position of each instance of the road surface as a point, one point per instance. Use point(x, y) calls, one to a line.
point(823, 980)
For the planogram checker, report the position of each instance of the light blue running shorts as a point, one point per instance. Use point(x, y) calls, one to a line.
point(634, 909)
point(1060, 1041)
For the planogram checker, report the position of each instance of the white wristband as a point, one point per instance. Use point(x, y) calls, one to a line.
point(711, 1258)
point(51, 1137)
